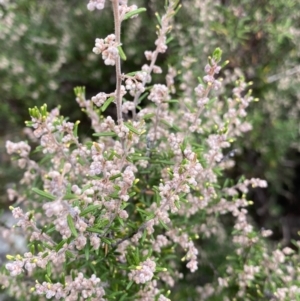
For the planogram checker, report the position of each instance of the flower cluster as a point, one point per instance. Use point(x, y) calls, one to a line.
point(89, 289)
point(96, 4)
point(145, 194)
point(135, 83)
point(144, 272)
point(108, 48)
point(159, 94)
point(124, 9)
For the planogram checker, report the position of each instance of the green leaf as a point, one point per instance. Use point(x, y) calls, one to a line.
point(114, 294)
point(120, 221)
point(86, 187)
point(40, 248)
point(87, 251)
point(123, 297)
point(45, 255)
point(121, 53)
point(107, 241)
point(71, 225)
point(178, 7)
point(158, 18)
point(43, 110)
point(129, 285)
point(48, 279)
point(107, 103)
point(217, 55)
point(48, 269)
point(175, 127)
point(131, 128)
point(60, 245)
point(50, 230)
point(69, 254)
point(224, 64)
point(143, 211)
point(89, 209)
point(94, 230)
point(136, 256)
point(115, 176)
point(144, 237)
point(133, 157)
point(163, 225)
point(172, 101)
point(131, 194)
point(105, 134)
point(160, 269)
point(151, 216)
point(70, 196)
point(132, 73)
point(143, 97)
point(75, 130)
point(184, 144)
point(134, 12)
point(200, 80)
point(29, 123)
point(169, 40)
point(148, 116)
point(44, 194)
point(212, 100)
point(63, 279)
point(79, 91)
point(162, 162)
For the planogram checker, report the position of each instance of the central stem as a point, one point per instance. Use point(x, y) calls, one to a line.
point(115, 5)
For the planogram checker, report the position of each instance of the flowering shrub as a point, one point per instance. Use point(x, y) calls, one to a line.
point(127, 215)
point(44, 54)
point(247, 32)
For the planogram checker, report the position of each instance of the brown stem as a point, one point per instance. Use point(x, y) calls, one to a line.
point(115, 5)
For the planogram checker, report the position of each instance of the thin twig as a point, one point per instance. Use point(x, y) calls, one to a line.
point(115, 5)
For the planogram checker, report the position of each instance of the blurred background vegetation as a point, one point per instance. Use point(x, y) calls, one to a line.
point(261, 39)
point(46, 50)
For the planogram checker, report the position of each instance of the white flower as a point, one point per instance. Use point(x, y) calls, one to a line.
point(144, 272)
point(96, 4)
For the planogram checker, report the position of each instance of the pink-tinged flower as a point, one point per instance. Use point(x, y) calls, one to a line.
point(144, 272)
point(159, 93)
point(96, 4)
point(109, 49)
point(15, 268)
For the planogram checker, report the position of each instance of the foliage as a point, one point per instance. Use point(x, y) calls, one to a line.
point(141, 207)
point(261, 38)
point(43, 54)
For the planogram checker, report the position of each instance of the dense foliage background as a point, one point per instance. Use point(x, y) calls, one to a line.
point(46, 52)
